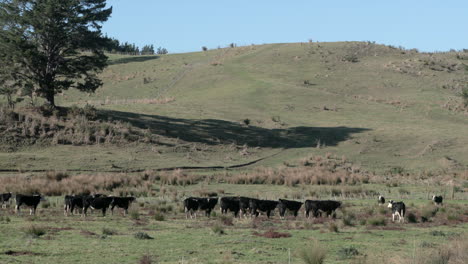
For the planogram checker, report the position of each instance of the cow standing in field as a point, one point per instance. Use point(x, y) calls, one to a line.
point(437, 200)
point(381, 200)
point(292, 206)
point(398, 209)
point(207, 205)
point(266, 206)
point(31, 201)
point(96, 203)
point(190, 207)
point(5, 198)
point(229, 204)
point(121, 202)
point(319, 206)
point(72, 202)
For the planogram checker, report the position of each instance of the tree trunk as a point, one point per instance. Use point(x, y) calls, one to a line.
point(50, 97)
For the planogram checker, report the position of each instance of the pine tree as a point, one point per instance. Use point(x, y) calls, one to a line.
point(54, 45)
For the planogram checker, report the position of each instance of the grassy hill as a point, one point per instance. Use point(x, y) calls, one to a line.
point(381, 107)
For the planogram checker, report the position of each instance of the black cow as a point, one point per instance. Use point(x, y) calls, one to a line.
point(73, 201)
point(292, 206)
point(31, 201)
point(437, 200)
point(266, 206)
point(398, 209)
point(5, 198)
point(207, 205)
point(381, 200)
point(229, 204)
point(191, 206)
point(98, 203)
point(244, 206)
point(319, 206)
point(121, 202)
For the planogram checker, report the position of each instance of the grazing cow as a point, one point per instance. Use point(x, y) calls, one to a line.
point(229, 204)
point(207, 205)
point(437, 200)
point(381, 200)
point(121, 202)
point(244, 206)
point(266, 206)
point(98, 203)
point(5, 198)
point(292, 206)
point(31, 201)
point(73, 202)
point(319, 206)
point(398, 209)
point(191, 206)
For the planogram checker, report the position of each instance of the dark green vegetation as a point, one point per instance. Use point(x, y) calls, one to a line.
point(393, 111)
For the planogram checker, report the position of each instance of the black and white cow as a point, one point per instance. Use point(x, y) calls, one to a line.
point(266, 206)
point(73, 202)
point(121, 202)
point(292, 206)
point(398, 209)
point(437, 200)
point(207, 205)
point(31, 201)
point(229, 204)
point(319, 206)
point(5, 198)
point(381, 200)
point(244, 205)
point(96, 203)
point(191, 206)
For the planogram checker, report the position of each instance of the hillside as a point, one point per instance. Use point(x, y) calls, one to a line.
point(383, 108)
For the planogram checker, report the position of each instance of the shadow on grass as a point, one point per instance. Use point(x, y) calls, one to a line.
point(130, 59)
point(216, 132)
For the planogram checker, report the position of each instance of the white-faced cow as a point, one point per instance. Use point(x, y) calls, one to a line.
point(229, 204)
point(319, 206)
point(398, 209)
point(437, 200)
point(292, 206)
point(121, 202)
point(5, 198)
point(266, 206)
point(381, 200)
point(31, 201)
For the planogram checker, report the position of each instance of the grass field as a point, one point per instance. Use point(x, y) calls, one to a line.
point(391, 108)
point(111, 239)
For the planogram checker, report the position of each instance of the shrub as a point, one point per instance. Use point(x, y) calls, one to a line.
point(438, 233)
point(332, 227)
point(348, 252)
point(218, 230)
point(348, 219)
point(226, 220)
point(412, 218)
point(142, 235)
point(351, 58)
point(204, 48)
point(314, 254)
point(134, 214)
point(159, 216)
point(146, 259)
point(108, 232)
point(35, 231)
point(376, 221)
point(464, 95)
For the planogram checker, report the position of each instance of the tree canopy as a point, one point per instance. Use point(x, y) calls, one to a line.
point(52, 45)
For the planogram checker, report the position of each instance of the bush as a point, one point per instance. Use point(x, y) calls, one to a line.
point(35, 231)
point(142, 235)
point(348, 252)
point(218, 230)
point(159, 216)
point(377, 221)
point(204, 48)
point(412, 218)
point(464, 95)
point(146, 259)
point(134, 214)
point(226, 220)
point(108, 232)
point(314, 254)
point(332, 227)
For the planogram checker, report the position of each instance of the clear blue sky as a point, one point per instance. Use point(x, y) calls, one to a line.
point(187, 25)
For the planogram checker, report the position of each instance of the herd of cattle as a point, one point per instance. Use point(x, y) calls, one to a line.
point(239, 206)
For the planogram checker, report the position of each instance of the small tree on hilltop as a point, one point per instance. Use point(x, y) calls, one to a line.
point(55, 44)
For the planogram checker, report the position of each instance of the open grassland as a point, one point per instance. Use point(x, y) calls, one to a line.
point(361, 233)
point(381, 107)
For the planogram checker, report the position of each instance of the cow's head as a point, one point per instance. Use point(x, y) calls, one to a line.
point(390, 204)
point(433, 197)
